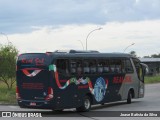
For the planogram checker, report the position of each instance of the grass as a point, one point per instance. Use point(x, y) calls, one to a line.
point(152, 79)
point(7, 96)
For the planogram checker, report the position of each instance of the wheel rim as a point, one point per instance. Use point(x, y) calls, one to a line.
point(87, 103)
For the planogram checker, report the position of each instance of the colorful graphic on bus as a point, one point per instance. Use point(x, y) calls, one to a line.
point(33, 73)
point(99, 89)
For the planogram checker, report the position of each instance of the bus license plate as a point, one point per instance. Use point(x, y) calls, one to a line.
point(32, 104)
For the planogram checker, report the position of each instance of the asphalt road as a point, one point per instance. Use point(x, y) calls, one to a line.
point(151, 102)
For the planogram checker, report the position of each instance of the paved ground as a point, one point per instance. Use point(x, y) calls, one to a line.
point(151, 102)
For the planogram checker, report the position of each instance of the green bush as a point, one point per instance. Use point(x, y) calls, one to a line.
point(7, 96)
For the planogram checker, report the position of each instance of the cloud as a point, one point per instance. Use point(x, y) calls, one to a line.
point(114, 37)
point(19, 16)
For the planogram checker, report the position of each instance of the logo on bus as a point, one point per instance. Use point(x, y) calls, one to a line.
point(37, 61)
point(99, 89)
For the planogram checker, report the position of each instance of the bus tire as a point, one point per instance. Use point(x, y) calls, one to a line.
point(21, 106)
point(86, 106)
point(129, 98)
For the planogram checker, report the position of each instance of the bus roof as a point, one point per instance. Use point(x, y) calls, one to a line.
point(80, 53)
point(75, 53)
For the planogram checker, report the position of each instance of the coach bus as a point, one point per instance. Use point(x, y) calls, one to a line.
point(77, 79)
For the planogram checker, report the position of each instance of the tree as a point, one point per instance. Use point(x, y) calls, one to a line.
point(8, 54)
point(133, 53)
point(155, 56)
point(146, 56)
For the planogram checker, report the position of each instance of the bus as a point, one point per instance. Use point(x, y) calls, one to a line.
point(77, 79)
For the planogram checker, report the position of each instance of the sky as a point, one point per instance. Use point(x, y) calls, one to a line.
point(48, 25)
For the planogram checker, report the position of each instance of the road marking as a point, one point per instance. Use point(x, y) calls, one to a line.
point(13, 107)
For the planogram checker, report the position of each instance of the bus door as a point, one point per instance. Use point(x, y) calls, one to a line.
point(140, 71)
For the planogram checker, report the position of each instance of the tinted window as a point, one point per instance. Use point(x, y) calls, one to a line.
point(103, 66)
point(100, 66)
point(128, 66)
point(89, 66)
point(138, 68)
point(86, 69)
point(76, 67)
point(62, 66)
point(92, 66)
point(116, 65)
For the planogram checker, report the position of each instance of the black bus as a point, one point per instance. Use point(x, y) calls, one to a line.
point(77, 79)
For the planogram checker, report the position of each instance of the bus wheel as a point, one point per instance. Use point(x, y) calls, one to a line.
point(129, 98)
point(86, 105)
point(21, 106)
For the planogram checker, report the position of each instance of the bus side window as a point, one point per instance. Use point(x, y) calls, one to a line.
point(86, 67)
point(62, 66)
point(100, 66)
point(92, 65)
point(79, 67)
point(123, 66)
point(112, 66)
point(76, 67)
point(73, 66)
point(106, 68)
point(128, 66)
point(116, 65)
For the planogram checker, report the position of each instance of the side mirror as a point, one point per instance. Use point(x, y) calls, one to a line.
point(145, 68)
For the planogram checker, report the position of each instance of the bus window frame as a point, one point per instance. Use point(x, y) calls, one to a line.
point(115, 61)
point(140, 66)
point(126, 71)
point(76, 60)
point(107, 62)
point(89, 60)
point(67, 71)
point(100, 64)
